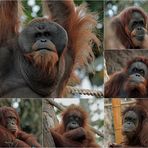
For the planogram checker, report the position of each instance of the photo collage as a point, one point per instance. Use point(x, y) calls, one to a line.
point(74, 73)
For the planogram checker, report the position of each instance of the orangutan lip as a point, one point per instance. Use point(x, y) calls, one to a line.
point(141, 35)
point(40, 49)
point(73, 128)
point(13, 129)
point(127, 132)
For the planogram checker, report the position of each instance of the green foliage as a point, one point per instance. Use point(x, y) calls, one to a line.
point(28, 10)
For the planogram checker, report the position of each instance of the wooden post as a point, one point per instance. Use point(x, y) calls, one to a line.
point(117, 119)
point(49, 120)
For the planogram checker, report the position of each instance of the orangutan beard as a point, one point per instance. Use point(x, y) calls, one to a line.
point(45, 61)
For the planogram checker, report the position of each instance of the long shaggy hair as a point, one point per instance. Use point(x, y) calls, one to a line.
point(4, 113)
point(46, 62)
point(73, 109)
point(10, 12)
point(80, 25)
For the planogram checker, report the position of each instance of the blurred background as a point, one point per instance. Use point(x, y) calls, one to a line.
point(88, 80)
point(95, 109)
point(114, 7)
point(30, 113)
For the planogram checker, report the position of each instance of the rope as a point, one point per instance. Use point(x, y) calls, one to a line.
point(74, 91)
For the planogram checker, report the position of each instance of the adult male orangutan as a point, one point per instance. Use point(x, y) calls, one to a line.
point(40, 60)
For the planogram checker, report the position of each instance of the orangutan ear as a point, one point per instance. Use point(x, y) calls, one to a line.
point(58, 11)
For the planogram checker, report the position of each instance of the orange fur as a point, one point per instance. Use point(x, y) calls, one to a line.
point(46, 62)
point(142, 87)
point(77, 110)
point(79, 24)
point(66, 7)
point(10, 12)
point(73, 109)
point(120, 26)
point(120, 81)
point(17, 139)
